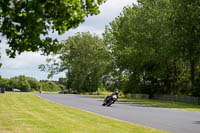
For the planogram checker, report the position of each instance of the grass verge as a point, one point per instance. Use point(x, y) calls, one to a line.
point(163, 104)
point(27, 113)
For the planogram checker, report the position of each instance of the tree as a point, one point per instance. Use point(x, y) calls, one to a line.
point(13, 83)
point(49, 86)
point(27, 84)
point(22, 83)
point(24, 86)
point(34, 84)
point(156, 46)
point(138, 41)
point(62, 81)
point(26, 23)
point(85, 59)
point(185, 31)
point(4, 83)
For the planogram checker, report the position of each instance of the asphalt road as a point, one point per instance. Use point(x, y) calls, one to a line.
point(175, 121)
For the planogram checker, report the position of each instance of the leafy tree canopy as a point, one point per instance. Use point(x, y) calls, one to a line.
point(156, 45)
point(85, 58)
point(26, 23)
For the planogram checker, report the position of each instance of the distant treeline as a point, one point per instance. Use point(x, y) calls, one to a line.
point(27, 84)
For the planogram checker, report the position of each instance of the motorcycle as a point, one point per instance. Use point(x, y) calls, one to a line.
point(110, 100)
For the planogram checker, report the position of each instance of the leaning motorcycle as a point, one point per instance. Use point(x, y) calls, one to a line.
point(109, 100)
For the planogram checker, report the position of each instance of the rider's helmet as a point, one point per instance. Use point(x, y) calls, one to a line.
point(117, 92)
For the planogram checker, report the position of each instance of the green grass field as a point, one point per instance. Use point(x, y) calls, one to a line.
point(27, 113)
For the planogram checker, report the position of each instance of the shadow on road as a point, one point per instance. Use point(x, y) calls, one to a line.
point(197, 122)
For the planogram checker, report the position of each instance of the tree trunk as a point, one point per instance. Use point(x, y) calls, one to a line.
point(192, 71)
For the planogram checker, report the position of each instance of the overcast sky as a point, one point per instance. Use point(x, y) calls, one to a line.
point(27, 63)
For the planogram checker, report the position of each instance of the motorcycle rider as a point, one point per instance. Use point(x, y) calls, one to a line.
point(111, 95)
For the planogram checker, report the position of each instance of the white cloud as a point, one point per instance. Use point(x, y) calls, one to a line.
point(27, 63)
point(23, 61)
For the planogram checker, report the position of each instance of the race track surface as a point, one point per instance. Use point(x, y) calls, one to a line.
point(175, 121)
